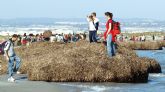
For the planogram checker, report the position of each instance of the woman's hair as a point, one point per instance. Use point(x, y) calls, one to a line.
point(109, 14)
point(24, 34)
point(14, 36)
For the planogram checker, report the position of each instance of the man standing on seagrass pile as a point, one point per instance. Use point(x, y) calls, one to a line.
point(96, 22)
point(92, 29)
point(11, 57)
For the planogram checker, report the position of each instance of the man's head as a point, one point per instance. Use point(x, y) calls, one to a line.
point(14, 37)
point(94, 14)
point(91, 18)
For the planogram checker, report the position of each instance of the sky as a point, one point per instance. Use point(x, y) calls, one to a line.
point(154, 9)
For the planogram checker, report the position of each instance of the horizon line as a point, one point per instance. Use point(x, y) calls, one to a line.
point(73, 18)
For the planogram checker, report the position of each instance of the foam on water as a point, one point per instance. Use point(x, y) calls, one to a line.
point(157, 75)
point(71, 23)
point(163, 48)
point(98, 88)
point(92, 87)
point(157, 52)
point(37, 30)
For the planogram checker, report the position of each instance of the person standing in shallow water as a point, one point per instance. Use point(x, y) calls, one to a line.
point(11, 57)
point(92, 29)
point(109, 36)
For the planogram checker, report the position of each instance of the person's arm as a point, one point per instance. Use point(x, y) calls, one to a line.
point(88, 19)
point(110, 27)
point(7, 46)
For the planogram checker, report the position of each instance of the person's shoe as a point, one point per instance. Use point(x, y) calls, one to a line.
point(18, 72)
point(11, 79)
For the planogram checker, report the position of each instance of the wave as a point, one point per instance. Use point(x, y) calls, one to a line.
point(71, 23)
point(93, 88)
point(157, 75)
point(163, 48)
point(38, 30)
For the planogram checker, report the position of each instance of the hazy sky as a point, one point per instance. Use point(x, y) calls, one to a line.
point(80, 8)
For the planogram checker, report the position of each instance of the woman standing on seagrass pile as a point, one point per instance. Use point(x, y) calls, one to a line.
point(109, 36)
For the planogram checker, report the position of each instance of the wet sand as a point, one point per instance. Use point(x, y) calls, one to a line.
point(155, 84)
point(23, 85)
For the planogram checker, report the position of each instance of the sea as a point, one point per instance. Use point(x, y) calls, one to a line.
point(75, 25)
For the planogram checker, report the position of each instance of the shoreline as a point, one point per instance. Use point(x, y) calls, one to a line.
point(40, 86)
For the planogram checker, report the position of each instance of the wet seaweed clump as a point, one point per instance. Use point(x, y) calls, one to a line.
point(83, 62)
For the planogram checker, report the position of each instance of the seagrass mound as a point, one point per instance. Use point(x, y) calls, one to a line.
point(157, 45)
point(83, 62)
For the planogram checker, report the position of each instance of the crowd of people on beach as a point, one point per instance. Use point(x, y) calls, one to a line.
point(141, 38)
point(123, 38)
point(67, 38)
point(27, 39)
